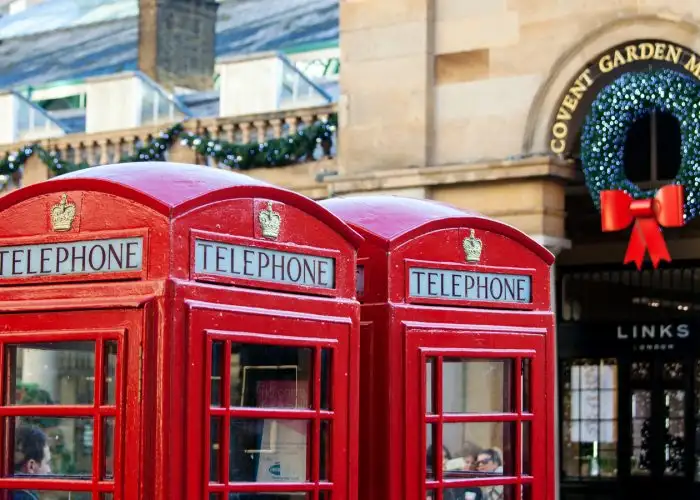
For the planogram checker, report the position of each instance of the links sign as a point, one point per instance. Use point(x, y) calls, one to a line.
point(261, 264)
point(117, 255)
point(427, 283)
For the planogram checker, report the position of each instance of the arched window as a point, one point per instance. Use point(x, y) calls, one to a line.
point(653, 148)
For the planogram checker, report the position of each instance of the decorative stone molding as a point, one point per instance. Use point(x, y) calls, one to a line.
point(682, 30)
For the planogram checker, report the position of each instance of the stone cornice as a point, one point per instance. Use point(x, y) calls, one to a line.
point(535, 167)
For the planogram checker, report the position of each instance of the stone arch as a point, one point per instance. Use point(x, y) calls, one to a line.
point(684, 31)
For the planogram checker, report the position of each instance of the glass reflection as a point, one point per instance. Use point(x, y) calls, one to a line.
point(270, 496)
point(264, 450)
point(47, 446)
point(108, 447)
point(482, 449)
point(53, 495)
point(496, 492)
point(477, 386)
point(110, 380)
point(674, 439)
point(265, 376)
point(52, 373)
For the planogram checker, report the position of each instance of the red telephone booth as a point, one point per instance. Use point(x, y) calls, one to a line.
point(456, 355)
point(172, 332)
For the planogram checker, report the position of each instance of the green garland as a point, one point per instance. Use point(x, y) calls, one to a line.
point(280, 152)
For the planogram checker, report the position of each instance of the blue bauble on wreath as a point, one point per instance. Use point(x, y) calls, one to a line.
point(613, 113)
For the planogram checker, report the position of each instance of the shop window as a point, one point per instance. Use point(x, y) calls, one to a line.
point(59, 410)
point(589, 433)
point(697, 421)
point(652, 150)
point(270, 421)
point(477, 428)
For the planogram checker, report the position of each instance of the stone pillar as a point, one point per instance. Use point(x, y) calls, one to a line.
point(182, 154)
point(555, 245)
point(34, 171)
point(385, 108)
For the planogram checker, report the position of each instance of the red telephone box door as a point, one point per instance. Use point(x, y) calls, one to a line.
point(473, 391)
point(276, 403)
point(65, 376)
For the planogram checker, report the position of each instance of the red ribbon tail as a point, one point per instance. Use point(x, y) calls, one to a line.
point(656, 244)
point(636, 248)
point(646, 234)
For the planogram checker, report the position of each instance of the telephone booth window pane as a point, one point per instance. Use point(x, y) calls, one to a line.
point(52, 373)
point(325, 465)
point(498, 492)
point(326, 364)
point(526, 448)
point(265, 376)
point(108, 448)
point(215, 450)
point(51, 446)
point(217, 363)
point(477, 386)
point(106, 496)
point(429, 372)
point(110, 380)
point(526, 385)
point(271, 496)
point(214, 496)
point(431, 456)
point(492, 439)
point(265, 450)
point(527, 492)
point(56, 495)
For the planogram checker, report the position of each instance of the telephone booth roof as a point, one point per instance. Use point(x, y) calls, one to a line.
point(173, 189)
point(390, 221)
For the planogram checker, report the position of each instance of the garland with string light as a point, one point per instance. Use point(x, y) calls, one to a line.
point(284, 151)
point(605, 130)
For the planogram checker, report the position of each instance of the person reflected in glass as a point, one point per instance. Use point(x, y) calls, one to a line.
point(489, 462)
point(470, 460)
point(453, 468)
point(32, 457)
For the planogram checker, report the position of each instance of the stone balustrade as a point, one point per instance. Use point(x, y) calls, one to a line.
point(109, 147)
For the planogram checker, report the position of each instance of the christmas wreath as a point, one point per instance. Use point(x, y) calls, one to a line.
point(621, 201)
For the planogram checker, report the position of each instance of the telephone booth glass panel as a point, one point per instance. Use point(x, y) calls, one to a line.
point(479, 423)
point(62, 408)
point(271, 416)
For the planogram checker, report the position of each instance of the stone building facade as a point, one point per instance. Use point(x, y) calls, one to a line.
point(480, 104)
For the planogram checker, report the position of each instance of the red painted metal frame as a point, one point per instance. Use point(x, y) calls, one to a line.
point(30, 332)
point(399, 230)
point(451, 266)
point(518, 417)
point(266, 244)
point(293, 330)
point(161, 429)
point(438, 342)
point(72, 238)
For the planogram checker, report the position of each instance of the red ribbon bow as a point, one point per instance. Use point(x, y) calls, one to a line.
point(618, 210)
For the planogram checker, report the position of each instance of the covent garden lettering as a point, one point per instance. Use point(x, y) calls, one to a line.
point(631, 56)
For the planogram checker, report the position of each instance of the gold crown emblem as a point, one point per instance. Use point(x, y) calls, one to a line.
point(62, 214)
point(270, 222)
point(472, 247)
